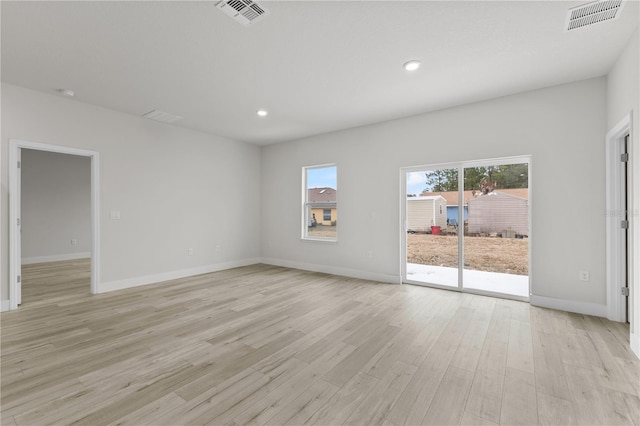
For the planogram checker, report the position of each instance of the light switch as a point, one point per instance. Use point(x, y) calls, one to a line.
point(115, 215)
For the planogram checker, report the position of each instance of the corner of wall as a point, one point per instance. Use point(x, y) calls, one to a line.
point(173, 275)
point(324, 269)
point(585, 308)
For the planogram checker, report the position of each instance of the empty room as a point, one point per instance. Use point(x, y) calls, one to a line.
point(320, 212)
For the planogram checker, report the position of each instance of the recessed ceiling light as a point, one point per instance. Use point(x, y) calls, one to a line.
point(67, 92)
point(262, 112)
point(412, 65)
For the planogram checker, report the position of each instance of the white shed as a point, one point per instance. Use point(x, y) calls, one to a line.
point(499, 213)
point(425, 212)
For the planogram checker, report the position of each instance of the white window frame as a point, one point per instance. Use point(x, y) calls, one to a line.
point(305, 209)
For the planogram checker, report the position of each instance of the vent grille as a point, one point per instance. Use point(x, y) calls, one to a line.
point(245, 12)
point(162, 117)
point(593, 13)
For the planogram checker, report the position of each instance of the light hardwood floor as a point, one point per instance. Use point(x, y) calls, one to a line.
point(270, 345)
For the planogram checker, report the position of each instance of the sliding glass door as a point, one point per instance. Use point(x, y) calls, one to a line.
point(467, 226)
point(432, 244)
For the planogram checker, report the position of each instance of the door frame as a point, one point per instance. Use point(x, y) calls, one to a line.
point(461, 165)
point(616, 247)
point(404, 227)
point(15, 256)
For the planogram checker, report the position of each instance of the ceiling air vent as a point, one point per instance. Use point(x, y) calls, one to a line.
point(592, 13)
point(162, 117)
point(244, 11)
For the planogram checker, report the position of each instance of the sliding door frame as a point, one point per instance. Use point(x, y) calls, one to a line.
point(461, 166)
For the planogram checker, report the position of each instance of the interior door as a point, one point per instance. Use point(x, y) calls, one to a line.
point(18, 254)
point(626, 240)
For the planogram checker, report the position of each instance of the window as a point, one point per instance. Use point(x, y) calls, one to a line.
point(320, 203)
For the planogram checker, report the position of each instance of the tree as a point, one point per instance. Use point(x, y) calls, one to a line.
point(484, 179)
point(473, 177)
point(512, 176)
point(442, 180)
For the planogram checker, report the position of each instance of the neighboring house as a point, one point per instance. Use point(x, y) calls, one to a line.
point(452, 203)
point(322, 202)
point(499, 212)
point(452, 200)
point(425, 212)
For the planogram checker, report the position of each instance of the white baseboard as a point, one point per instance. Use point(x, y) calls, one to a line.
point(586, 308)
point(346, 272)
point(4, 305)
point(55, 258)
point(173, 275)
point(635, 344)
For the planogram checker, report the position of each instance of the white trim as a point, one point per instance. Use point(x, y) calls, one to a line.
point(15, 145)
point(615, 259)
point(14, 250)
point(586, 308)
point(634, 341)
point(4, 305)
point(318, 240)
point(345, 272)
point(95, 222)
point(55, 258)
point(173, 275)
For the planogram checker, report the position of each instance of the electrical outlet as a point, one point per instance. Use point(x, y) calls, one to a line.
point(218, 248)
point(74, 241)
point(370, 254)
point(584, 275)
point(190, 252)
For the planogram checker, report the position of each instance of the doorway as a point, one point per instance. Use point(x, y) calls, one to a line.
point(618, 188)
point(467, 226)
point(16, 148)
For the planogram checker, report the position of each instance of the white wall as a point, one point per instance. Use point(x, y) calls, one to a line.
point(623, 95)
point(56, 206)
point(562, 128)
point(175, 188)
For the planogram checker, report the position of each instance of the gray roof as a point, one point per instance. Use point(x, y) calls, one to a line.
point(321, 195)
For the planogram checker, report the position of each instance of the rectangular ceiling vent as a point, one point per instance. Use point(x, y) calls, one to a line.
point(162, 117)
point(593, 13)
point(244, 11)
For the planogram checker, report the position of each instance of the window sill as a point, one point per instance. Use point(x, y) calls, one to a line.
point(319, 240)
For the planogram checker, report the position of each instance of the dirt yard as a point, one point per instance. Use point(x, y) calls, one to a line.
point(508, 255)
point(323, 231)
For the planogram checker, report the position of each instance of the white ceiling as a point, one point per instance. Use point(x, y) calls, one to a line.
point(316, 66)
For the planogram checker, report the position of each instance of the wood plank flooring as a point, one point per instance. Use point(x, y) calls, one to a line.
point(276, 346)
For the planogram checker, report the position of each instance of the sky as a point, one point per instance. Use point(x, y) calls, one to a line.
point(322, 177)
point(416, 182)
